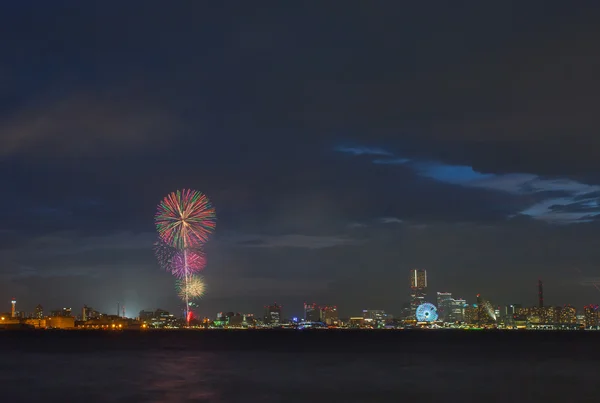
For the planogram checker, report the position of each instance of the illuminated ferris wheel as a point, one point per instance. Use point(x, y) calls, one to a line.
point(427, 313)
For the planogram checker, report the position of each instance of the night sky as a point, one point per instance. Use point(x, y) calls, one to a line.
point(341, 144)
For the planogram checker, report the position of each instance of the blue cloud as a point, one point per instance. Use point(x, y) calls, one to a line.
point(362, 150)
point(391, 161)
point(454, 174)
point(559, 200)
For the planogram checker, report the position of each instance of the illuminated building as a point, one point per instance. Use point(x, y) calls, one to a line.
point(590, 315)
point(567, 315)
point(61, 322)
point(39, 312)
point(418, 288)
point(146, 315)
point(540, 294)
point(157, 319)
point(457, 310)
point(13, 305)
point(224, 318)
point(65, 313)
point(89, 313)
point(249, 319)
point(511, 310)
point(273, 314)
point(37, 323)
point(548, 315)
point(471, 314)
point(329, 315)
point(374, 314)
point(485, 311)
point(311, 313)
point(482, 313)
point(444, 302)
point(356, 322)
point(375, 317)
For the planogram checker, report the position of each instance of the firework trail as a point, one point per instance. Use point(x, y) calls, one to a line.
point(184, 220)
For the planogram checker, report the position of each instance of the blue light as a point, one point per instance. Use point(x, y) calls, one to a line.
point(454, 174)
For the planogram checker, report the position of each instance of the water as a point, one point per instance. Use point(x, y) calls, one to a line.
point(289, 366)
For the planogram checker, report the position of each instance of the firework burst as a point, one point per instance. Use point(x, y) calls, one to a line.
point(185, 219)
point(164, 254)
point(182, 265)
point(194, 287)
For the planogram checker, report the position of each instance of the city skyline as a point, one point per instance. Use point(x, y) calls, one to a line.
point(460, 140)
point(445, 302)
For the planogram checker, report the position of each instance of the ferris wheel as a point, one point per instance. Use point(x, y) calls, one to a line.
point(427, 313)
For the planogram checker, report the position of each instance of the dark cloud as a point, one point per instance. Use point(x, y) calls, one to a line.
point(84, 124)
point(340, 146)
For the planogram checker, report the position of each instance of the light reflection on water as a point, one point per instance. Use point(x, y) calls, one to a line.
point(267, 376)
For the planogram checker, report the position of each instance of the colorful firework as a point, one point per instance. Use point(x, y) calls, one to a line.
point(187, 262)
point(194, 287)
point(185, 219)
point(164, 254)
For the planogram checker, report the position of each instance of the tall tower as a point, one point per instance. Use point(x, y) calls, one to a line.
point(418, 288)
point(540, 294)
point(13, 306)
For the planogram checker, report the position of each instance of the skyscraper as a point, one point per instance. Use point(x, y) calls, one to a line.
point(540, 294)
point(13, 306)
point(457, 310)
point(444, 300)
point(590, 313)
point(311, 312)
point(418, 288)
point(273, 314)
point(329, 315)
point(39, 312)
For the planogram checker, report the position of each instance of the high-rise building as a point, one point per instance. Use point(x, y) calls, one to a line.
point(567, 315)
point(329, 315)
point(13, 306)
point(311, 312)
point(590, 314)
point(485, 311)
point(418, 288)
point(457, 310)
point(540, 294)
point(471, 315)
point(444, 301)
point(39, 312)
point(273, 314)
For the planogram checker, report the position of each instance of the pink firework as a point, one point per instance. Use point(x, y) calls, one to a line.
point(188, 262)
